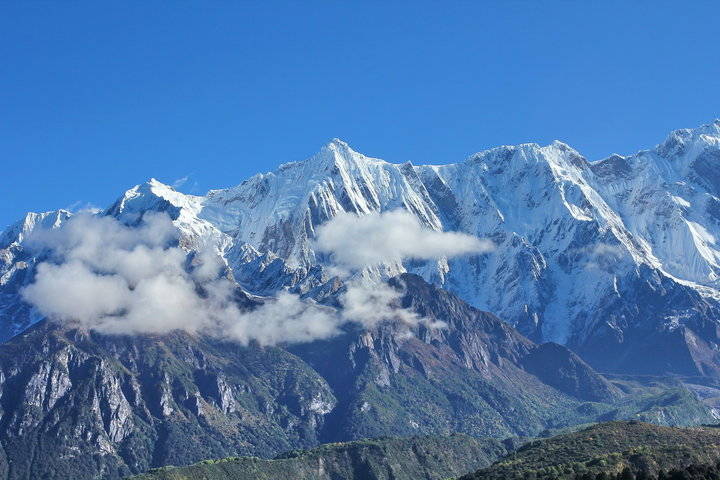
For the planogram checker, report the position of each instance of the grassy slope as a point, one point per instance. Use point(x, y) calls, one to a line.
point(416, 458)
point(607, 447)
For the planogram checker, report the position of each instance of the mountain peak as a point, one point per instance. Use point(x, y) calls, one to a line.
point(523, 152)
point(151, 195)
point(154, 182)
point(712, 128)
point(19, 230)
point(337, 148)
point(337, 143)
point(677, 141)
point(338, 154)
point(156, 186)
point(560, 145)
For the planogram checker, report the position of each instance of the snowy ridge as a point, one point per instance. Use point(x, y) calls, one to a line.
point(582, 248)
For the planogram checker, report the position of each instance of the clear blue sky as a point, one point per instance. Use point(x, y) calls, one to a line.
point(98, 96)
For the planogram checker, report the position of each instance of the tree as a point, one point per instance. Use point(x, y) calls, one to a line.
point(626, 474)
point(644, 475)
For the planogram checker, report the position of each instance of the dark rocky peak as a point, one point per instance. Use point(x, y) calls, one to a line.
point(475, 334)
point(112, 405)
point(561, 368)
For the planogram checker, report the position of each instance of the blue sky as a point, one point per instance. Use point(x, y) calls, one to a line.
point(98, 96)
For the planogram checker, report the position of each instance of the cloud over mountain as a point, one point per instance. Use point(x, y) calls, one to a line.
point(107, 276)
point(357, 242)
point(360, 241)
point(110, 277)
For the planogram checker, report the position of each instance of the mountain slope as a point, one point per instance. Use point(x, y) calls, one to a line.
point(468, 377)
point(17, 270)
point(615, 258)
point(96, 405)
point(413, 458)
point(608, 448)
point(88, 406)
point(615, 255)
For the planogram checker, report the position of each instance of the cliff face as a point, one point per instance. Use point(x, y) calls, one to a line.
point(94, 406)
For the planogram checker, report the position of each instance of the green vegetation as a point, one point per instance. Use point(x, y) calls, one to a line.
point(628, 450)
point(622, 450)
point(416, 458)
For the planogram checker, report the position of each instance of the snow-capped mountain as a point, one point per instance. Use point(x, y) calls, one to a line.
point(16, 269)
point(616, 258)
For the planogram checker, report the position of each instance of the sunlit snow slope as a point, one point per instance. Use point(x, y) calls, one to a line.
point(617, 258)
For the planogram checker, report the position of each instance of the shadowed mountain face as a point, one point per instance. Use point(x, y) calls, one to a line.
point(92, 406)
point(83, 405)
point(468, 377)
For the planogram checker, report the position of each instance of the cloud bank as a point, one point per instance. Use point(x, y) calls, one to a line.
point(104, 275)
point(360, 241)
point(113, 278)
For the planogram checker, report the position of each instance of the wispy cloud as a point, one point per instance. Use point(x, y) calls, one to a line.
point(112, 278)
point(180, 181)
point(81, 206)
point(600, 256)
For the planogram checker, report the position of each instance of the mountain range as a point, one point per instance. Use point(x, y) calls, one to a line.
point(81, 404)
point(615, 258)
point(595, 296)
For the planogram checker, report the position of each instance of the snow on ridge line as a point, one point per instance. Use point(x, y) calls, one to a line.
point(561, 224)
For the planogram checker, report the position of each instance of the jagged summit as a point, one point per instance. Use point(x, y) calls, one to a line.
point(18, 231)
point(712, 129)
point(617, 259)
point(336, 154)
point(681, 142)
point(576, 241)
point(525, 151)
point(337, 143)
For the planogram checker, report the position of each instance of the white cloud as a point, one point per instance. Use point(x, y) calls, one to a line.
point(112, 278)
point(286, 319)
point(180, 181)
point(80, 206)
point(370, 302)
point(600, 256)
point(71, 290)
point(356, 241)
point(104, 275)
